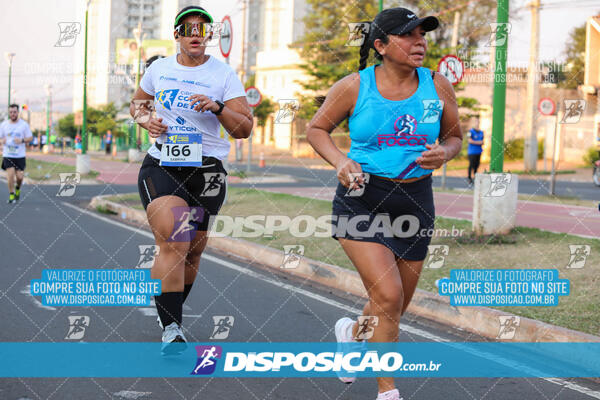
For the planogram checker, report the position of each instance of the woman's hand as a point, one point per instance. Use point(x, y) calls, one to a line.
point(200, 102)
point(433, 158)
point(349, 173)
point(155, 127)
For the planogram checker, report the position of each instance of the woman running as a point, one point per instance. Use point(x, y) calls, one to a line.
point(397, 110)
point(182, 177)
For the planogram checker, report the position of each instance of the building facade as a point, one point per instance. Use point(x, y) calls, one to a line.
point(277, 63)
point(109, 79)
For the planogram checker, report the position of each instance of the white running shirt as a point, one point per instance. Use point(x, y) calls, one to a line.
point(11, 131)
point(171, 84)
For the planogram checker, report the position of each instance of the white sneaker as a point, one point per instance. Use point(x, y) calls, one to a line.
point(343, 334)
point(390, 395)
point(160, 323)
point(173, 340)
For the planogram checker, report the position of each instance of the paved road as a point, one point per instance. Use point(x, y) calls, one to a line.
point(44, 231)
point(326, 177)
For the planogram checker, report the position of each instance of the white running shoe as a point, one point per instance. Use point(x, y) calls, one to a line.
point(173, 340)
point(343, 334)
point(390, 395)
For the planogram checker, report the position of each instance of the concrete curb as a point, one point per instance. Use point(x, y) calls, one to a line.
point(481, 321)
point(32, 182)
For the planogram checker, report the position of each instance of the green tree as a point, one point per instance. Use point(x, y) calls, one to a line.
point(328, 59)
point(575, 54)
point(66, 126)
point(102, 119)
point(99, 121)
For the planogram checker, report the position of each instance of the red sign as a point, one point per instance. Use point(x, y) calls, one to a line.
point(226, 37)
point(452, 68)
point(253, 96)
point(546, 106)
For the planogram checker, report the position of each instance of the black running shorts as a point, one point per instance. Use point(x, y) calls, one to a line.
point(204, 186)
point(405, 207)
point(16, 163)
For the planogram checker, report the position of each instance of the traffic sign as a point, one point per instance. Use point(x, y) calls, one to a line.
point(226, 37)
point(254, 97)
point(546, 106)
point(452, 68)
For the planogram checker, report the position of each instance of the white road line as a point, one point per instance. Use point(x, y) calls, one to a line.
point(151, 312)
point(27, 292)
point(130, 394)
point(331, 302)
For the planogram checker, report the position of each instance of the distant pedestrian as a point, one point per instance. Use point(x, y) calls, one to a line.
point(108, 142)
point(474, 151)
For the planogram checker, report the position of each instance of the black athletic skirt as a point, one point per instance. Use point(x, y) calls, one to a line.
point(204, 186)
point(398, 215)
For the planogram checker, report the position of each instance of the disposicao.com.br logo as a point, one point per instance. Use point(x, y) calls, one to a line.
point(351, 362)
point(353, 358)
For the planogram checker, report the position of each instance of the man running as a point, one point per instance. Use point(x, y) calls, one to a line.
point(14, 133)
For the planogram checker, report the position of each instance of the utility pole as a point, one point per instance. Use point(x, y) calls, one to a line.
point(48, 115)
point(82, 164)
point(499, 100)
point(246, 5)
point(9, 59)
point(453, 44)
point(530, 154)
point(136, 135)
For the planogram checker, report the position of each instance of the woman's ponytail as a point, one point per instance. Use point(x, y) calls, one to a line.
point(364, 49)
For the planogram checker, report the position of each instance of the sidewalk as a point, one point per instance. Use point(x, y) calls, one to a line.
point(560, 218)
point(579, 175)
point(111, 171)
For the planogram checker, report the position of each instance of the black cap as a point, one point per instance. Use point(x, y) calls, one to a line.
point(192, 10)
point(397, 21)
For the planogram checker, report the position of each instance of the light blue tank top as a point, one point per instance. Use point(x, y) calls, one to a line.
point(388, 136)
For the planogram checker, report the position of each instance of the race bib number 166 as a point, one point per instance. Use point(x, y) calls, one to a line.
point(182, 150)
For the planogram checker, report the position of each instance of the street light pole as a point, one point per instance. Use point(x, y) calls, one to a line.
point(48, 123)
point(135, 134)
point(499, 99)
point(9, 58)
point(139, 37)
point(84, 138)
point(83, 159)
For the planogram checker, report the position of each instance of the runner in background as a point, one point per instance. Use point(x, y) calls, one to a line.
point(14, 134)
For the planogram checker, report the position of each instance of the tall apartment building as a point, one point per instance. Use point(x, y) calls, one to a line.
point(275, 63)
point(108, 21)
